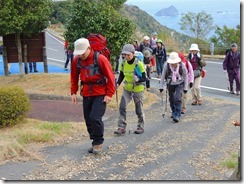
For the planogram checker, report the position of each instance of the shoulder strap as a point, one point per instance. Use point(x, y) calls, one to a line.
point(180, 69)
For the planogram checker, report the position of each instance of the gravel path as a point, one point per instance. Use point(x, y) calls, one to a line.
point(192, 149)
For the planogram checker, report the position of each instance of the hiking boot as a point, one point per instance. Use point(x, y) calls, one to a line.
point(139, 130)
point(97, 149)
point(35, 71)
point(120, 131)
point(176, 119)
point(90, 150)
point(232, 92)
point(237, 92)
point(183, 110)
point(199, 102)
point(194, 102)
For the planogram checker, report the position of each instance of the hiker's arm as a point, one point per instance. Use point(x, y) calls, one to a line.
point(121, 78)
point(74, 77)
point(143, 78)
point(225, 62)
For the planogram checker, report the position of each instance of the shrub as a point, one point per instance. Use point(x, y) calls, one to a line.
point(14, 105)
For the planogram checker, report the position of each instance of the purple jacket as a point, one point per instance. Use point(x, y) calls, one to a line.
point(232, 61)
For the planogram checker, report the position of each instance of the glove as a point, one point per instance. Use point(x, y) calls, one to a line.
point(185, 91)
point(191, 84)
point(135, 78)
point(161, 90)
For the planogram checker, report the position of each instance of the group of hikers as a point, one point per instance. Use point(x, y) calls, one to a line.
point(178, 74)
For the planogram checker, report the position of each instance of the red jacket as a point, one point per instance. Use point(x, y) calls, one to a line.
point(107, 89)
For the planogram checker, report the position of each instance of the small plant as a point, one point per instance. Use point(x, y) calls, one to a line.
point(14, 105)
point(231, 162)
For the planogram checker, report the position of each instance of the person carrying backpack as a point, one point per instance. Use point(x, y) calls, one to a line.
point(174, 75)
point(148, 59)
point(69, 53)
point(97, 83)
point(161, 56)
point(231, 65)
point(198, 62)
point(190, 76)
point(132, 71)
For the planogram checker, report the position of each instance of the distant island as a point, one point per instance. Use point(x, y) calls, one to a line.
point(170, 12)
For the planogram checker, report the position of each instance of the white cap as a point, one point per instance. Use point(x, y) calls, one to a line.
point(146, 38)
point(81, 45)
point(194, 47)
point(173, 58)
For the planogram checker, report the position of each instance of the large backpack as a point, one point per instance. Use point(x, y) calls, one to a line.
point(99, 44)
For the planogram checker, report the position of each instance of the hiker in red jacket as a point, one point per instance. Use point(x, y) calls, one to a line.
point(97, 89)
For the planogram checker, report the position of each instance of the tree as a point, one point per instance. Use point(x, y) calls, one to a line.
point(198, 25)
point(23, 17)
point(225, 36)
point(100, 16)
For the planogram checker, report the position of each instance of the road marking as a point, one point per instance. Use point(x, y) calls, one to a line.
point(206, 87)
point(56, 59)
point(215, 62)
point(52, 49)
point(54, 38)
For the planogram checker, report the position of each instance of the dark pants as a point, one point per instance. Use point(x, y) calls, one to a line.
point(69, 57)
point(159, 65)
point(175, 97)
point(94, 108)
point(148, 72)
point(32, 65)
point(234, 75)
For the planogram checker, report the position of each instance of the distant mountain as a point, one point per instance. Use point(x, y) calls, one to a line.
point(170, 12)
point(146, 24)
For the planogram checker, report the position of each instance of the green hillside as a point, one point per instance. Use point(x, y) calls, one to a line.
point(146, 24)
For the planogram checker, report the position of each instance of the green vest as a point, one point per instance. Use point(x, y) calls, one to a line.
point(128, 70)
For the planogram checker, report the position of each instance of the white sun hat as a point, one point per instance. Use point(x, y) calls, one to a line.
point(194, 46)
point(173, 58)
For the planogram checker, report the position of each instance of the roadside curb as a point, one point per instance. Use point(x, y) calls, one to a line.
point(52, 97)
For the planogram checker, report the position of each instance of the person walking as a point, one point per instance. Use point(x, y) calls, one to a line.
point(175, 77)
point(198, 62)
point(132, 71)
point(190, 76)
point(231, 65)
point(69, 54)
point(148, 59)
point(97, 89)
point(161, 57)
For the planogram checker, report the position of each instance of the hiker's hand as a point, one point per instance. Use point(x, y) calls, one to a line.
point(107, 99)
point(161, 90)
point(73, 98)
point(135, 78)
point(185, 91)
point(236, 123)
point(191, 84)
point(225, 71)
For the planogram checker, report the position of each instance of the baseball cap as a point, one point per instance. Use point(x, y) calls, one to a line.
point(128, 48)
point(233, 45)
point(81, 45)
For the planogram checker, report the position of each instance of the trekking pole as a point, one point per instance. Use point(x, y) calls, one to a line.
point(227, 80)
point(166, 102)
point(116, 93)
point(162, 99)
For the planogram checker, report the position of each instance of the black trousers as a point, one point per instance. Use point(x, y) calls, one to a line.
point(94, 108)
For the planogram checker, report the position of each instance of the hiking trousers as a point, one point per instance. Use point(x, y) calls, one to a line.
point(138, 101)
point(94, 108)
point(234, 75)
point(175, 97)
point(195, 90)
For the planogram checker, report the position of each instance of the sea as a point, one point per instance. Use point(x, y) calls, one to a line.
point(224, 12)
